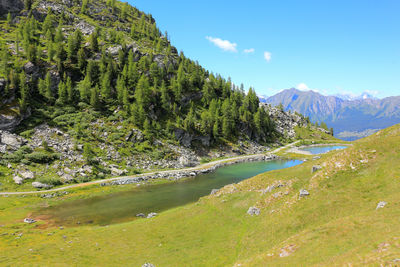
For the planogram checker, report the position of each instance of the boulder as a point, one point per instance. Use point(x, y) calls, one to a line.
point(316, 168)
point(41, 185)
point(381, 205)
point(151, 215)
point(253, 211)
point(18, 180)
point(187, 161)
point(29, 220)
point(66, 178)
point(117, 172)
point(304, 193)
point(12, 140)
point(26, 174)
point(11, 6)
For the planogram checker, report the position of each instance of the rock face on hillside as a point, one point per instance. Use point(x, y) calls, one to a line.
point(285, 122)
point(11, 6)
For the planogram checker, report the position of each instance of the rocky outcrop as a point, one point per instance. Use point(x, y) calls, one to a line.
point(12, 6)
point(285, 122)
point(10, 142)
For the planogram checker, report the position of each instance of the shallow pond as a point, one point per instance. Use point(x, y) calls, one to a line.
point(123, 206)
point(321, 149)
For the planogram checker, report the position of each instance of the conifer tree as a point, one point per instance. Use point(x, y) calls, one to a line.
point(94, 97)
point(48, 92)
point(62, 93)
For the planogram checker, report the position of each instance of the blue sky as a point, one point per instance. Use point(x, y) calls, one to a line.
point(339, 46)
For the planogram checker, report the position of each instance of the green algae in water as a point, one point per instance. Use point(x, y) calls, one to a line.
point(124, 206)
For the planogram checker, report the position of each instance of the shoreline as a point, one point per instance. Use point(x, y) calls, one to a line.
point(298, 150)
point(168, 174)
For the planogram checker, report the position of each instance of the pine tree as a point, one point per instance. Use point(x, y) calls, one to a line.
point(81, 59)
point(24, 92)
point(94, 97)
point(142, 92)
point(9, 19)
point(120, 87)
point(84, 87)
point(62, 93)
point(48, 92)
point(216, 129)
point(106, 86)
point(165, 99)
point(48, 25)
point(70, 90)
point(84, 6)
point(93, 41)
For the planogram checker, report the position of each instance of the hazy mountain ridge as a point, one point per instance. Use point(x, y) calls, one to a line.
point(356, 115)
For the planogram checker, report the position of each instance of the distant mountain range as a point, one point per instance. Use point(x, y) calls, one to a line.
point(351, 117)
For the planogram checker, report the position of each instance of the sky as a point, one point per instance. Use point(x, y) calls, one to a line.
point(333, 47)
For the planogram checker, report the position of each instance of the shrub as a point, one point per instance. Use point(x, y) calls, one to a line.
point(50, 180)
point(42, 157)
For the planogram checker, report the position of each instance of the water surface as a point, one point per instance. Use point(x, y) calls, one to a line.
point(123, 206)
point(321, 149)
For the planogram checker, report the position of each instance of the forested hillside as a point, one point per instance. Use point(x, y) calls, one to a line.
point(104, 55)
point(93, 88)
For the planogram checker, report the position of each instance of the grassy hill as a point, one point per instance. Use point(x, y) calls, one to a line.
point(337, 224)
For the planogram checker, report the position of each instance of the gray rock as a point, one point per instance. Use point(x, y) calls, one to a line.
point(41, 185)
point(114, 50)
point(12, 6)
point(214, 191)
point(29, 220)
point(148, 265)
point(117, 172)
point(18, 180)
point(141, 215)
point(11, 140)
point(151, 215)
point(316, 168)
point(66, 178)
point(253, 211)
point(304, 193)
point(26, 174)
point(381, 205)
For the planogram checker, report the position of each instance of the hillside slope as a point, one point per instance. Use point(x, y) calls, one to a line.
point(337, 224)
point(349, 118)
point(92, 89)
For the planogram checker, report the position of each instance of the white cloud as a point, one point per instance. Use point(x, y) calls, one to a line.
point(223, 44)
point(267, 56)
point(249, 51)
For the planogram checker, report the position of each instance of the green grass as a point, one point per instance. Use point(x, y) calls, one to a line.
point(336, 225)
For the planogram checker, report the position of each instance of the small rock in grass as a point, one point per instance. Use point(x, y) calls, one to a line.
point(214, 191)
point(151, 215)
point(304, 193)
point(29, 220)
point(381, 205)
point(141, 215)
point(148, 265)
point(253, 211)
point(316, 168)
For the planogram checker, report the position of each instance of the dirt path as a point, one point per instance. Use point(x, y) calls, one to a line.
point(202, 166)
